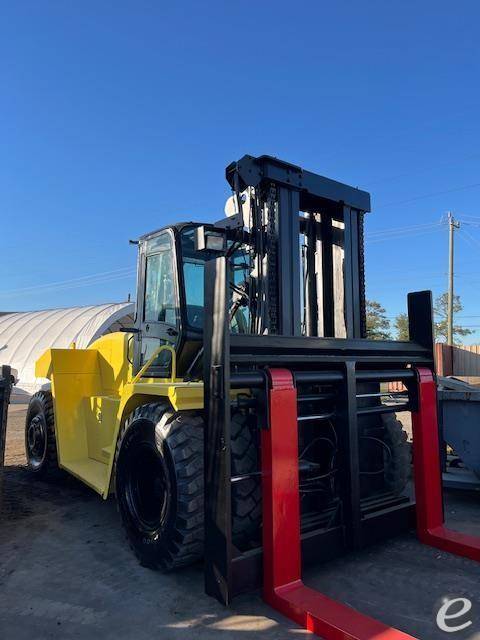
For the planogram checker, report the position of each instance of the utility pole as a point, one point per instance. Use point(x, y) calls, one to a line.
point(452, 225)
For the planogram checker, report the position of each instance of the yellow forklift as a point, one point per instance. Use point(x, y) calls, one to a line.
point(246, 402)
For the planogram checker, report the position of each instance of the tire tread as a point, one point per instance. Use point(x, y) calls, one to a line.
point(50, 465)
point(183, 434)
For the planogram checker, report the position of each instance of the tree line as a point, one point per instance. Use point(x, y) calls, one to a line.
point(379, 326)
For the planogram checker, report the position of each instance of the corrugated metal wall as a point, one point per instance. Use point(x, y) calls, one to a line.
point(458, 361)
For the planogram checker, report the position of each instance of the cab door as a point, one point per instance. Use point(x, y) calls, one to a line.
point(157, 303)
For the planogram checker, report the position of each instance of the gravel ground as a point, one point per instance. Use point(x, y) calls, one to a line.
point(66, 572)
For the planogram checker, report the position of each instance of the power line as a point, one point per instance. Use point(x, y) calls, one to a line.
point(431, 195)
point(406, 234)
point(425, 169)
point(470, 237)
point(470, 326)
point(408, 279)
point(467, 215)
point(466, 239)
point(68, 288)
point(402, 229)
point(73, 283)
point(80, 278)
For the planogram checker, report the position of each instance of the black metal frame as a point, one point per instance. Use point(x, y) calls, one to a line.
point(240, 361)
point(298, 191)
point(253, 171)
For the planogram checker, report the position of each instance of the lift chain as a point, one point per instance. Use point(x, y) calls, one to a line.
point(272, 259)
point(361, 273)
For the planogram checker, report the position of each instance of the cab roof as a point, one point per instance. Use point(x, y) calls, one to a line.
point(179, 226)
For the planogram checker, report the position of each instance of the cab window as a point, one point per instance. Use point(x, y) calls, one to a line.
point(193, 274)
point(160, 304)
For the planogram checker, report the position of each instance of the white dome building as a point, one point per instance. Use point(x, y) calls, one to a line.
point(24, 336)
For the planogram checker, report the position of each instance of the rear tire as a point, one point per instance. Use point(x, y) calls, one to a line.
point(40, 441)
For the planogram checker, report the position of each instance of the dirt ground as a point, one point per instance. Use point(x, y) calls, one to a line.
point(66, 572)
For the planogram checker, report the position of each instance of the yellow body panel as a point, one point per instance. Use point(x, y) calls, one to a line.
point(93, 391)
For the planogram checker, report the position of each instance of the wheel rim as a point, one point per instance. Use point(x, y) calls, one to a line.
point(147, 488)
point(36, 441)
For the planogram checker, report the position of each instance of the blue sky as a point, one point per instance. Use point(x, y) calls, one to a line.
point(119, 117)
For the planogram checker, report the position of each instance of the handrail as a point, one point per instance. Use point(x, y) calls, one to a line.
point(158, 350)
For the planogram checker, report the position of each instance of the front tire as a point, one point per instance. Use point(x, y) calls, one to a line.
point(159, 485)
point(246, 494)
point(40, 441)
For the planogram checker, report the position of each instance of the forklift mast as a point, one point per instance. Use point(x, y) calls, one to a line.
point(308, 343)
point(306, 233)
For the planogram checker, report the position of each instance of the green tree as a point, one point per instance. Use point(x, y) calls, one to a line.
point(440, 311)
point(378, 325)
point(401, 327)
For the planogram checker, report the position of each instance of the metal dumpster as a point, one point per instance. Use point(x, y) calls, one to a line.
point(459, 413)
point(5, 389)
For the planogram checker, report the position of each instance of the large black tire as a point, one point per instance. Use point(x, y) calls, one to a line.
point(246, 494)
point(40, 441)
point(398, 460)
point(160, 487)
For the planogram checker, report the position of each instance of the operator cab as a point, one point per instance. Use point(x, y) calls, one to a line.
point(170, 296)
